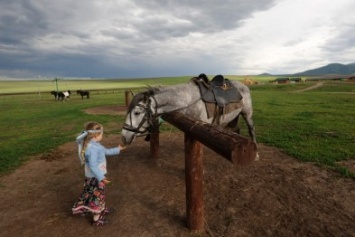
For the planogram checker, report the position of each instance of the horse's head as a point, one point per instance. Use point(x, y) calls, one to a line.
point(140, 117)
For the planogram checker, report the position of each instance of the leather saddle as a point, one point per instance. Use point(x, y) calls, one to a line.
point(219, 90)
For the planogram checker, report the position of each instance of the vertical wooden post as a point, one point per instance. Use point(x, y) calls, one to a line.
point(194, 184)
point(127, 98)
point(154, 140)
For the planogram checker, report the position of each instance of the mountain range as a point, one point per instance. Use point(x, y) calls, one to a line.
point(333, 68)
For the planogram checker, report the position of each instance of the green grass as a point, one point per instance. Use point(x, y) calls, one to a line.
point(313, 126)
point(40, 86)
point(33, 124)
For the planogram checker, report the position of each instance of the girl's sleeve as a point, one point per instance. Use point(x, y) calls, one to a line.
point(92, 157)
point(112, 151)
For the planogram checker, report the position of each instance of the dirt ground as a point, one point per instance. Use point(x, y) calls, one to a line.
point(275, 196)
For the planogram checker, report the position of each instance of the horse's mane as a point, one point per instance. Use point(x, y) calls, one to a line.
point(142, 96)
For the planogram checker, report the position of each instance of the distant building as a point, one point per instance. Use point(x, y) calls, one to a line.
point(296, 80)
point(281, 80)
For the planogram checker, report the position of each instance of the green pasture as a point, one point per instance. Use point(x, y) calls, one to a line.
point(313, 126)
point(41, 86)
point(47, 85)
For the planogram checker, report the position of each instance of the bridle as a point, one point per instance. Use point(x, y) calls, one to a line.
point(149, 116)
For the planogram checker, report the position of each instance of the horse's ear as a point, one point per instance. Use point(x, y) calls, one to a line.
point(146, 97)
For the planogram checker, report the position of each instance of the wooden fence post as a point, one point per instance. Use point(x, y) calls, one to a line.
point(154, 140)
point(127, 98)
point(194, 184)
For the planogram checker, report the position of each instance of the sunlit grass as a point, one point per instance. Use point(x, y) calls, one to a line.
point(311, 126)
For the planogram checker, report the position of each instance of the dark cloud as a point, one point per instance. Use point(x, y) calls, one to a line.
point(129, 38)
point(108, 38)
point(196, 16)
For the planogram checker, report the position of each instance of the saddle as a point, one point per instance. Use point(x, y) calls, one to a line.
point(219, 95)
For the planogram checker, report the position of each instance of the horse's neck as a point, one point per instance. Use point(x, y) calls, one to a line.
point(177, 97)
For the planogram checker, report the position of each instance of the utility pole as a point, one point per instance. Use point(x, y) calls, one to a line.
point(56, 83)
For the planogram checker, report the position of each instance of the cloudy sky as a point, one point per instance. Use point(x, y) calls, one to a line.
point(153, 38)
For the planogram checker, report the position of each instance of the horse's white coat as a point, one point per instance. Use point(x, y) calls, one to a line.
point(66, 94)
point(186, 99)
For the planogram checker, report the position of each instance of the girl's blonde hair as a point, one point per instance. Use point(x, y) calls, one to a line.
point(91, 126)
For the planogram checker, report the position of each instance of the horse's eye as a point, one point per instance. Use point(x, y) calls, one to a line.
point(137, 113)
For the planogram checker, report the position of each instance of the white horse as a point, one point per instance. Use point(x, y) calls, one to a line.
point(147, 106)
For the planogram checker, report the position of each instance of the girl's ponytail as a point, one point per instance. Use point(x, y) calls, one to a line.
point(91, 129)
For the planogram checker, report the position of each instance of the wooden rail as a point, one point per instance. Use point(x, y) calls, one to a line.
point(230, 145)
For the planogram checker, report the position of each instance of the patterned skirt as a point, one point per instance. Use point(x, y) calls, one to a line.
point(92, 198)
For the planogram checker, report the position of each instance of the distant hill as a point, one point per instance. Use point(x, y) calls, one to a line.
point(333, 68)
point(265, 74)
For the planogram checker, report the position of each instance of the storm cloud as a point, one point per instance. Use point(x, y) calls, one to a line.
point(139, 38)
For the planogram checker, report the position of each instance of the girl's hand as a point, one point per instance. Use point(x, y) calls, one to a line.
point(122, 147)
point(106, 181)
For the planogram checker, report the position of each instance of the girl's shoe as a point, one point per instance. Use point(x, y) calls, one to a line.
point(108, 210)
point(101, 221)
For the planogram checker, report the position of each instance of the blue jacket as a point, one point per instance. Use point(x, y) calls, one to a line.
point(95, 163)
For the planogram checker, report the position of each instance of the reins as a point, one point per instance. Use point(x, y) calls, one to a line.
point(149, 116)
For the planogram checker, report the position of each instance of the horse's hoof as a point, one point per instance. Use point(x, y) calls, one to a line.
point(257, 157)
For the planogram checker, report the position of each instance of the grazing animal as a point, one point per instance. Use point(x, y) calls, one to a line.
point(147, 106)
point(55, 94)
point(83, 93)
point(66, 94)
point(61, 95)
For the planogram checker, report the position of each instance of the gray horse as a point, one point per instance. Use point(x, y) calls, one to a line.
point(147, 106)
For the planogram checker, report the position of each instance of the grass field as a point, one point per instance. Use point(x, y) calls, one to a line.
point(315, 126)
point(38, 86)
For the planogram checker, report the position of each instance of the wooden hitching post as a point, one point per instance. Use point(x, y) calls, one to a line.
point(127, 98)
point(194, 184)
point(154, 140)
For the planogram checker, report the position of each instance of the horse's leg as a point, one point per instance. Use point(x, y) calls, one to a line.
point(249, 121)
point(233, 125)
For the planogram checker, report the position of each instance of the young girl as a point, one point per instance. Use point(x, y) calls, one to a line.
point(92, 198)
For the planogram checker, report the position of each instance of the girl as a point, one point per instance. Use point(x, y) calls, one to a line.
point(93, 154)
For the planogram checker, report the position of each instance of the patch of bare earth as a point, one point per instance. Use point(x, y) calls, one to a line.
point(275, 196)
point(319, 84)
